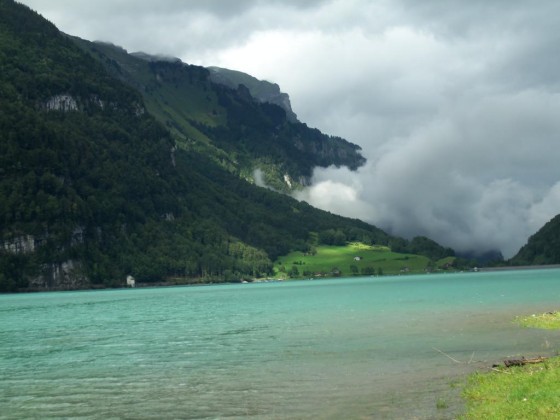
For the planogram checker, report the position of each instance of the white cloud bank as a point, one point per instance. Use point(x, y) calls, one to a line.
point(482, 176)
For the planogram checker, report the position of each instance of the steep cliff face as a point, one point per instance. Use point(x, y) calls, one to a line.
point(261, 90)
point(66, 275)
point(61, 102)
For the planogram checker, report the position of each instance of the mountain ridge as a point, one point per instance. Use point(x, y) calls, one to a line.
point(261, 90)
point(226, 120)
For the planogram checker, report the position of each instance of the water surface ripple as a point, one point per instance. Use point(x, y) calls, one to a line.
point(345, 348)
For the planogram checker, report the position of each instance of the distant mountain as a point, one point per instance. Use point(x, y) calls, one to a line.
point(238, 125)
point(541, 248)
point(261, 90)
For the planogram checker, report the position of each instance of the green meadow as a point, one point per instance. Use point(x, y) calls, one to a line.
point(354, 259)
point(548, 321)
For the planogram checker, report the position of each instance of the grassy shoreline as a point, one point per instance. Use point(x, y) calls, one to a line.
point(522, 392)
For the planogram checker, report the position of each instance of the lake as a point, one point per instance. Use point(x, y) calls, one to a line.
point(377, 347)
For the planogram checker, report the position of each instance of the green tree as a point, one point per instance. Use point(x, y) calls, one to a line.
point(368, 271)
point(294, 272)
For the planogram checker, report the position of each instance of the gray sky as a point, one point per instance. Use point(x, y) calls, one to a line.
point(455, 103)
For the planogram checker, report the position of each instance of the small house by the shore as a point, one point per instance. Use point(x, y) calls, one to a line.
point(130, 281)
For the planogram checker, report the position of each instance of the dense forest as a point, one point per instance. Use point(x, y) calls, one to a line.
point(94, 188)
point(543, 247)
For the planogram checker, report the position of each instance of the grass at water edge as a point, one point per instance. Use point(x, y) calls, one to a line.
point(549, 321)
point(525, 392)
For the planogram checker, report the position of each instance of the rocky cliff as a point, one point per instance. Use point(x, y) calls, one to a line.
point(261, 90)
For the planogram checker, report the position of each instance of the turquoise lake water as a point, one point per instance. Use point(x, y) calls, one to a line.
point(344, 348)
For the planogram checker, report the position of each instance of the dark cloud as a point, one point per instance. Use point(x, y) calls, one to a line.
point(185, 28)
point(455, 103)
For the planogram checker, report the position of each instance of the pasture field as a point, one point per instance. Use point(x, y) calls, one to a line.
point(352, 259)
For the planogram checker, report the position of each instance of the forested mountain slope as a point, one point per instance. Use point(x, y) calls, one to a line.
point(94, 188)
point(226, 120)
point(541, 248)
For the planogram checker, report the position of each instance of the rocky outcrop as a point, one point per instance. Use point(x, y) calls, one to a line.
point(332, 151)
point(23, 244)
point(260, 90)
point(67, 103)
point(27, 244)
point(62, 102)
point(67, 275)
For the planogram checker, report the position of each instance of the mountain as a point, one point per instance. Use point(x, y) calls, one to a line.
point(240, 126)
point(94, 188)
point(261, 90)
point(541, 248)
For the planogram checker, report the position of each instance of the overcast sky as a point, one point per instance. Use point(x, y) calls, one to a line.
point(456, 104)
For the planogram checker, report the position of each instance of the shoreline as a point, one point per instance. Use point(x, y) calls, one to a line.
point(142, 285)
point(519, 267)
point(522, 388)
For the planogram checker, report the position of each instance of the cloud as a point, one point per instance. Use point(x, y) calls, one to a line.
point(189, 29)
point(544, 209)
point(457, 115)
point(481, 176)
point(454, 103)
point(343, 196)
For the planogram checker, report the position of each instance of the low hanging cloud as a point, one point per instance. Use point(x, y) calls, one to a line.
point(482, 178)
point(457, 113)
point(454, 103)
